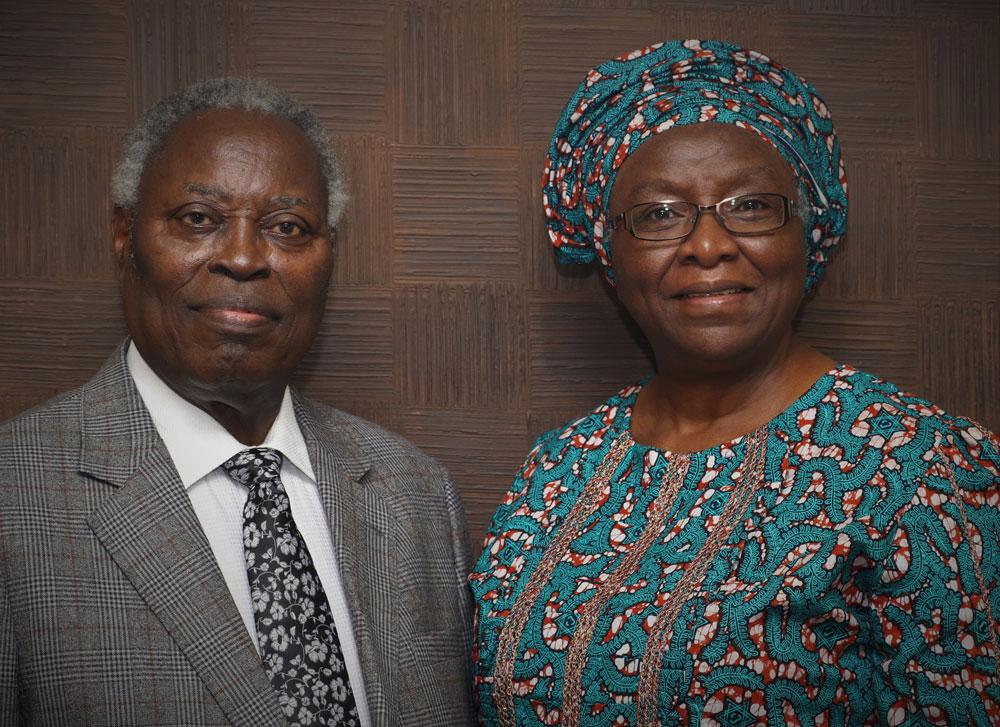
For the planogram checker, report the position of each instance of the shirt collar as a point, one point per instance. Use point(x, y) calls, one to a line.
point(197, 443)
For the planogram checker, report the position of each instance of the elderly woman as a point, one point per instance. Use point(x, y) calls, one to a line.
point(756, 534)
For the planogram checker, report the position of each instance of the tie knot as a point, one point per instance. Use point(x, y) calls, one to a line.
point(253, 465)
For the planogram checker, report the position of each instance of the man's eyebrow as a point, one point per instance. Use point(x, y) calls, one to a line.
point(209, 190)
point(289, 201)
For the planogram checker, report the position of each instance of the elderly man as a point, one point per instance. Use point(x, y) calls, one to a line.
point(185, 540)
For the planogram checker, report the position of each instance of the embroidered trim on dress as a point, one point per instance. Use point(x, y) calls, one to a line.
point(751, 476)
point(510, 635)
point(977, 563)
point(576, 657)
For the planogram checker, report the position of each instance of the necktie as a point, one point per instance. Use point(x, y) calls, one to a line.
point(296, 633)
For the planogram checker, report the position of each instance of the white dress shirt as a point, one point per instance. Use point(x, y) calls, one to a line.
point(198, 445)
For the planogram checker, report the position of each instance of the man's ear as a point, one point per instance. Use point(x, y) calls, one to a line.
point(121, 227)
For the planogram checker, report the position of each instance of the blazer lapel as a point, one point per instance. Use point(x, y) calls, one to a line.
point(150, 529)
point(362, 531)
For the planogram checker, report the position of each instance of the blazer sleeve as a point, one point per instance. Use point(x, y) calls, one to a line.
point(463, 565)
point(9, 700)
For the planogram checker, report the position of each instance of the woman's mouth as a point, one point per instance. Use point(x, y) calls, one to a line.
point(713, 293)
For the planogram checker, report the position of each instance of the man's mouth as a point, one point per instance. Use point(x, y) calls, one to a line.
point(236, 313)
point(236, 316)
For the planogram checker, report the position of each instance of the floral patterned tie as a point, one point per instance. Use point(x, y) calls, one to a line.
point(295, 629)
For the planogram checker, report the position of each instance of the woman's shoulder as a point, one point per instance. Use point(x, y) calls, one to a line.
point(594, 430)
point(876, 413)
point(561, 460)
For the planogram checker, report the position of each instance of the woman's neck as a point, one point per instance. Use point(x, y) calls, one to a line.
point(685, 410)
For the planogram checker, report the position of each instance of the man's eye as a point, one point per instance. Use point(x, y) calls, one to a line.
point(287, 228)
point(196, 219)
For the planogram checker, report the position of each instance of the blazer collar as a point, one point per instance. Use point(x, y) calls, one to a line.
point(363, 529)
point(149, 528)
point(116, 431)
point(143, 523)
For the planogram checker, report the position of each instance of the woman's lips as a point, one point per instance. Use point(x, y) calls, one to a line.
point(713, 291)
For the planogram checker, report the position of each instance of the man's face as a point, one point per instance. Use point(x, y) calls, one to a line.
point(226, 264)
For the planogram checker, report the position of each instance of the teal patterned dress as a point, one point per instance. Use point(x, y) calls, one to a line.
point(838, 566)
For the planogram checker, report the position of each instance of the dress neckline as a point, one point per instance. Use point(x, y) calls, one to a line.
point(623, 421)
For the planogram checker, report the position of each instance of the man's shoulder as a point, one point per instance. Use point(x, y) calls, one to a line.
point(383, 448)
point(52, 421)
point(54, 415)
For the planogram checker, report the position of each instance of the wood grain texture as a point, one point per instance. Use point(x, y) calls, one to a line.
point(581, 349)
point(455, 213)
point(482, 449)
point(960, 356)
point(877, 114)
point(452, 70)
point(556, 47)
point(460, 345)
point(958, 103)
point(56, 334)
point(352, 357)
point(55, 209)
point(867, 263)
point(364, 234)
point(449, 319)
point(956, 227)
point(750, 23)
point(63, 63)
point(329, 55)
point(173, 43)
point(888, 8)
point(879, 336)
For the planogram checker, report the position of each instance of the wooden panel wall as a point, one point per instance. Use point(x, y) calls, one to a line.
point(450, 321)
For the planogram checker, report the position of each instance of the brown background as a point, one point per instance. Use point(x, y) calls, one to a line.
point(450, 321)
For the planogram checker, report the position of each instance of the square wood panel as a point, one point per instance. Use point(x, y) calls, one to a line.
point(455, 214)
point(55, 207)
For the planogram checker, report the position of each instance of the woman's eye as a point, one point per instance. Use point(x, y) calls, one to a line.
point(752, 204)
point(661, 213)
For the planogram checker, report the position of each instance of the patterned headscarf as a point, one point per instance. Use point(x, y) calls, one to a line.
point(625, 101)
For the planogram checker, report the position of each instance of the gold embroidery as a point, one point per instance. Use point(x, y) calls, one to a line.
point(576, 657)
point(977, 561)
point(750, 478)
point(510, 636)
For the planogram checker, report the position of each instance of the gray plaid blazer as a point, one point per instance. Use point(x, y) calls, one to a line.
point(113, 610)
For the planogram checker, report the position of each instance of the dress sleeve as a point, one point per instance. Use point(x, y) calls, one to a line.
point(493, 567)
point(936, 596)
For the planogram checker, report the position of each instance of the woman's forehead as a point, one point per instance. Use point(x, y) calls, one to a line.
point(703, 155)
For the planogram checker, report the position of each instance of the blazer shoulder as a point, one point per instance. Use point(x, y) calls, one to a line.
point(59, 408)
point(384, 449)
point(48, 425)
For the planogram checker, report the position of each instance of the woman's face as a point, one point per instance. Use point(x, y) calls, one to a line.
point(712, 300)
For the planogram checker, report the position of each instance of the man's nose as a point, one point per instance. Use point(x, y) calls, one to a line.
point(242, 251)
point(709, 243)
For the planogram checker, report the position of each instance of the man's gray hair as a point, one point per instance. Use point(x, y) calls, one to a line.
point(246, 94)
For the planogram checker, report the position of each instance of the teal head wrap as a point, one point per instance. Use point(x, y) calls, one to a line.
point(625, 101)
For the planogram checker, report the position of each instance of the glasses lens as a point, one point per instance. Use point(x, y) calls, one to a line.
point(662, 220)
point(754, 213)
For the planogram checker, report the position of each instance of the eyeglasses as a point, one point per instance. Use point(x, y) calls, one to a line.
point(746, 214)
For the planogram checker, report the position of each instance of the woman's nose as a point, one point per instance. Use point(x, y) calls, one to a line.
point(709, 242)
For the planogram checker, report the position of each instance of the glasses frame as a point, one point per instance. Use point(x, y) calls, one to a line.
point(624, 219)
